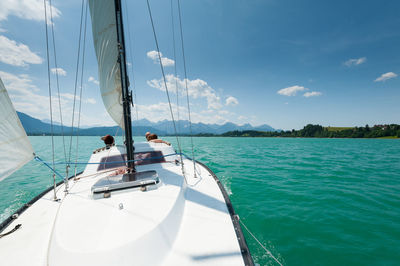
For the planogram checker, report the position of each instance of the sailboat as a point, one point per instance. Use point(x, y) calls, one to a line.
point(134, 204)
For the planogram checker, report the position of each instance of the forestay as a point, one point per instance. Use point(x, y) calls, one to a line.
point(15, 148)
point(104, 31)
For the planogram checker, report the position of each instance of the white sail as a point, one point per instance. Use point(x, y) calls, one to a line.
point(15, 148)
point(104, 31)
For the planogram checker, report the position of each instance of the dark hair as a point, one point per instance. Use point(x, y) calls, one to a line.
point(108, 139)
point(152, 136)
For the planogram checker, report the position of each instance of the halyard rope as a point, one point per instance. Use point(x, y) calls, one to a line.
point(175, 70)
point(81, 89)
point(176, 82)
point(165, 84)
point(186, 86)
point(76, 82)
point(58, 86)
point(50, 102)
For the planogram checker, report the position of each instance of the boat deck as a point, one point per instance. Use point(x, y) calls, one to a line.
point(174, 222)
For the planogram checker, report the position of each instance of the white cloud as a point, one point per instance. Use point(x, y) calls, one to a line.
point(59, 71)
point(159, 111)
point(386, 76)
point(26, 98)
point(291, 91)
point(71, 97)
point(355, 61)
point(17, 54)
point(197, 89)
point(92, 79)
point(223, 112)
point(91, 101)
point(231, 101)
point(17, 83)
point(153, 55)
point(26, 9)
point(312, 94)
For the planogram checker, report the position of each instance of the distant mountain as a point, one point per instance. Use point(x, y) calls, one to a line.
point(48, 121)
point(183, 127)
point(35, 126)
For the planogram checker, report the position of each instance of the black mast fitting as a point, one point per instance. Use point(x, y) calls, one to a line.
point(126, 95)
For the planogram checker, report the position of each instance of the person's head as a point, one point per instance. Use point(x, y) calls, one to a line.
point(108, 139)
point(152, 136)
point(147, 135)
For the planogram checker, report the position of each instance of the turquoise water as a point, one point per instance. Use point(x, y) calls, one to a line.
point(309, 201)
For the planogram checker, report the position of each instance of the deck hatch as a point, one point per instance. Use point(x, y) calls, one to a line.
point(125, 181)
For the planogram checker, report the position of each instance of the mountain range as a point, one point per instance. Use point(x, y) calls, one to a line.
point(34, 126)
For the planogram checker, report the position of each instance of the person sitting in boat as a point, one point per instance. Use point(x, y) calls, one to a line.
point(108, 140)
point(151, 137)
point(147, 135)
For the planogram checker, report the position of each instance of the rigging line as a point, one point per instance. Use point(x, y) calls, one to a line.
point(81, 89)
point(186, 86)
point(175, 70)
point(51, 108)
point(76, 84)
point(131, 58)
point(37, 158)
point(163, 74)
point(58, 86)
point(255, 238)
point(176, 78)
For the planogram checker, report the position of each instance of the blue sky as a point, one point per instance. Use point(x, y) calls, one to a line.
point(283, 63)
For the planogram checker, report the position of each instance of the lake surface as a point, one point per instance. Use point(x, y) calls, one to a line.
point(309, 201)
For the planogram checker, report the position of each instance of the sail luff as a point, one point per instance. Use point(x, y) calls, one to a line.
point(15, 147)
point(102, 13)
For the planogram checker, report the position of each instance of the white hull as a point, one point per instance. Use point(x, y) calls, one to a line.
point(174, 222)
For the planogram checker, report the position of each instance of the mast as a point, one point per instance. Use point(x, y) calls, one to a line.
point(126, 95)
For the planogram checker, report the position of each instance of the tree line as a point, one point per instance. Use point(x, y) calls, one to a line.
point(318, 131)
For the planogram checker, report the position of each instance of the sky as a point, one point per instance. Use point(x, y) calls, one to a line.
point(276, 62)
